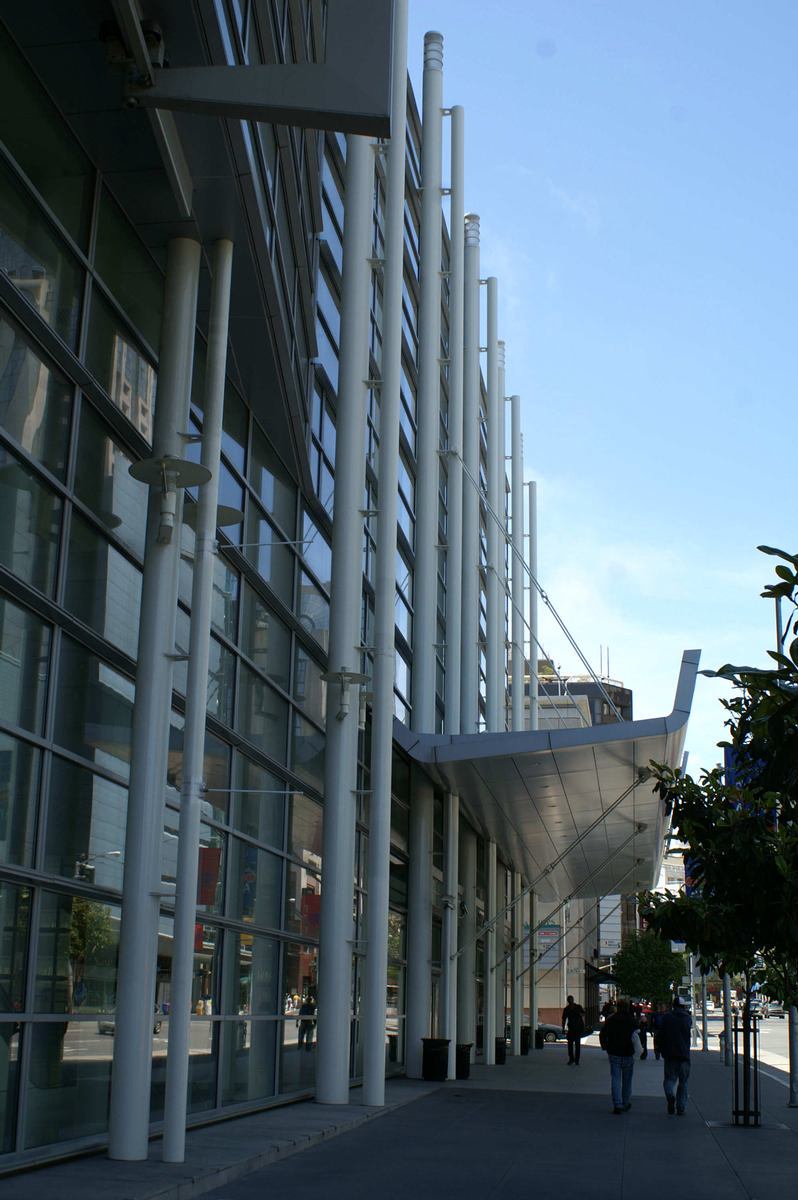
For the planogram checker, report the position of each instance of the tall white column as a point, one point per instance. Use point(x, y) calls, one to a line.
point(449, 931)
point(419, 922)
point(517, 564)
point(516, 988)
point(454, 551)
point(533, 607)
point(533, 969)
point(469, 682)
point(338, 839)
point(466, 963)
point(129, 1117)
point(429, 385)
point(376, 961)
point(494, 696)
point(489, 1023)
point(205, 551)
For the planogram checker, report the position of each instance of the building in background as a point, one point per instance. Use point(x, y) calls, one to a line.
point(263, 583)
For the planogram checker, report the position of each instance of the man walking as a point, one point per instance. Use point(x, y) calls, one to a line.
point(616, 1038)
point(674, 1045)
point(573, 1023)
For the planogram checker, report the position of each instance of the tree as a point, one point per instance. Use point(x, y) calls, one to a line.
point(647, 968)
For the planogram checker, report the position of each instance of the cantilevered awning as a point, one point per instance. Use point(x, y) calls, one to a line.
point(548, 793)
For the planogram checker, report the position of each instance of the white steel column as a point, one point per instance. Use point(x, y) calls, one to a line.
point(533, 607)
point(533, 969)
point(129, 1118)
point(466, 963)
point(425, 623)
point(376, 962)
point(419, 921)
point(338, 839)
point(516, 988)
point(469, 683)
point(489, 989)
point(517, 564)
point(454, 540)
point(205, 550)
point(494, 684)
point(451, 819)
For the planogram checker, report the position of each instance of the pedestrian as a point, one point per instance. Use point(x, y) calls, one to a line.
point(573, 1023)
point(616, 1037)
point(674, 1046)
point(642, 1032)
point(306, 1021)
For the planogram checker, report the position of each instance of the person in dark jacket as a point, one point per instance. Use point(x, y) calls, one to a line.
point(573, 1023)
point(616, 1038)
point(674, 1046)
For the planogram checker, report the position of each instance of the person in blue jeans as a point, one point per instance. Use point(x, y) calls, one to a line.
point(674, 1044)
point(616, 1038)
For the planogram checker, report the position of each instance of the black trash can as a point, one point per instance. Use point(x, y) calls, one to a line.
point(501, 1051)
point(526, 1037)
point(538, 1039)
point(435, 1058)
point(463, 1059)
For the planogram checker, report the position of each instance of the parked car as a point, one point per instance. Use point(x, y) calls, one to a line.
point(107, 1023)
point(776, 1009)
point(551, 1032)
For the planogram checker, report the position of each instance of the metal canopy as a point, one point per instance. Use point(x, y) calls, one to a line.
point(536, 793)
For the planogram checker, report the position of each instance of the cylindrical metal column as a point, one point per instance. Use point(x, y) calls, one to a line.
point(466, 963)
point(454, 539)
point(516, 988)
point(449, 932)
point(338, 840)
point(494, 684)
point(419, 921)
point(376, 962)
point(489, 1024)
point(129, 1118)
point(533, 606)
point(517, 566)
point(205, 550)
point(469, 682)
point(533, 970)
point(429, 385)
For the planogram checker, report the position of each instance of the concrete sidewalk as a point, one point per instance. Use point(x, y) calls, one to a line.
point(533, 1126)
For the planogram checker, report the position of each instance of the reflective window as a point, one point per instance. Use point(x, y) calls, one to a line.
point(252, 972)
point(31, 527)
point(266, 550)
point(120, 366)
point(35, 401)
point(272, 484)
point(314, 610)
point(316, 550)
point(210, 878)
point(104, 484)
point(85, 834)
point(204, 1038)
point(24, 666)
point(14, 918)
point(257, 806)
point(94, 708)
point(297, 1050)
point(310, 690)
point(305, 827)
point(303, 901)
point(103, 589)
point(20, 765)
point(224, 611)
point(256, 879)
point(234, 428)
point(221, 682)
point(262, 714)
point(128, 270)
point(307, 751)
point(264, 638)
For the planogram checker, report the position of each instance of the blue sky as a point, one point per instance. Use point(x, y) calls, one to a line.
point(633, 166)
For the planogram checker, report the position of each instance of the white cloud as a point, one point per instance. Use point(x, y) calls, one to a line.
point(582, 205)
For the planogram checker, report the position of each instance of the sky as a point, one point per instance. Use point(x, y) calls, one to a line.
point(633, 166)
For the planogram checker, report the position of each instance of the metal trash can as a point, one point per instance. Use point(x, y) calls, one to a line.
point(526, 1038)
point(538, 1039)
point(435, 1058)
point(463, 1059)
point(501, 1051)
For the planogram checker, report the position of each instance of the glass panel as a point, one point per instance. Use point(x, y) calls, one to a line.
point(266, 550)
point(314, 610)
point(128, 271)
point(272, 484)
point(257, 807)
point(24, 665)
point(224, 611)
point(256, 879)
point(221, 682)
point(94, 709)
point(19, 785)
point(205, 1032)
point(85, 834)
point(210, 879)
point(316, 551)
point(120, 367)
point(305, 823)
point(300, 985)
point(103, 589)
point(265, 639)
point(310, 690)
point(262, 715)
point(104, 484)
point(42, 144)
point(35, 401)
point(251, 990)
point(31, 525)
point(307, 751)
point(303, 902)
point(38, 263)
point(234, 428)
point(14, 917)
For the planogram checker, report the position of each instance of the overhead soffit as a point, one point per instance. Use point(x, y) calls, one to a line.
point(536, 793)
